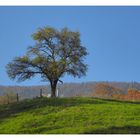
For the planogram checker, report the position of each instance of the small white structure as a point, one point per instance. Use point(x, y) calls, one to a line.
point(49, 95)
point(46, 95)
point(57, 93)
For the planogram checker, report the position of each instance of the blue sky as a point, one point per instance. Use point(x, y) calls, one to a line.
point(110, 34)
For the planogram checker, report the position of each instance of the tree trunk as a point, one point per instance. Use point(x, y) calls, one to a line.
point(53, 89)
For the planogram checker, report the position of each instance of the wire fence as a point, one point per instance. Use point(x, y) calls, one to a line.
point(7, 98)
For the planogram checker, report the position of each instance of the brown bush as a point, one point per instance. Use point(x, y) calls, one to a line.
point(133, 94)
point(118, 96)
point(105, 90)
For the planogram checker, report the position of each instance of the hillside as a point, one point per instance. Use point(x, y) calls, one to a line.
point(70, 115)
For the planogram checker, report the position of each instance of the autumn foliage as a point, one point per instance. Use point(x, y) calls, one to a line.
point(133, 94)
point(105, 90)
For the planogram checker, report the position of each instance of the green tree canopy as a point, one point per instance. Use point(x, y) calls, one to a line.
point(55, 53)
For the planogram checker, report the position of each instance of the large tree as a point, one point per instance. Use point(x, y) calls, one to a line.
point(55, 53)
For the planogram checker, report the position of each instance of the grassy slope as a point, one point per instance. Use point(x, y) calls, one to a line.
point(70, 115)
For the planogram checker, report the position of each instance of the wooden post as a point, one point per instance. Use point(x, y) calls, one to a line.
point(40, 92)
point(17, 98)
point(7, 99)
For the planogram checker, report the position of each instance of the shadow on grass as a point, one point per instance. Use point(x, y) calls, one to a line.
point(111, 130)
point(119, 101)
point(38, 130)
point(26, 105)
point(116, 130)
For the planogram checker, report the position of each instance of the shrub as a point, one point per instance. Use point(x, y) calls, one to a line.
point(105, 90)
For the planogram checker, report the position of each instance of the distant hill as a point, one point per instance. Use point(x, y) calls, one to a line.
point(65, 90)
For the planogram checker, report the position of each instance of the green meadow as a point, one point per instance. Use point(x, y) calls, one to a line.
point(70, 116)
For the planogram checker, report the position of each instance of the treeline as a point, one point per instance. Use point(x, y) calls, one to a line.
point(67, 89)
point(107, 90)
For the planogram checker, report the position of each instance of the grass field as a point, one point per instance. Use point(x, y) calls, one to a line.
point(70, 116)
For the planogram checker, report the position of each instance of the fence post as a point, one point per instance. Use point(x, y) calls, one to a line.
point(7, 99)
point(17, 97)
point(40, 92)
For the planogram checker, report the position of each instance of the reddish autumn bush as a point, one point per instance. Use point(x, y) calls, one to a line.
point(105, 90)
point(133, 94)
point(119, 96)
